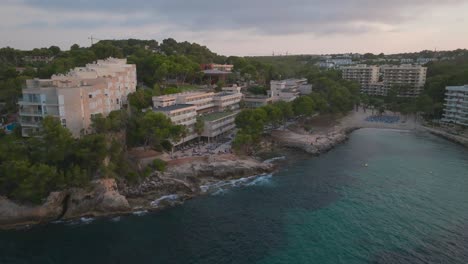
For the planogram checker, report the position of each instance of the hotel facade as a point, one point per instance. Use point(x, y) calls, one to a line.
point(75, 97)
point(374, 80)
point(217, 110)
point(456, 105)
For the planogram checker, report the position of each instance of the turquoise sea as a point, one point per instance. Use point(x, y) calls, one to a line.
point(409, 205)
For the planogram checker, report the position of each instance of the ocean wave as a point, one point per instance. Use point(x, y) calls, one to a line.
point(274, 159)
point(140, 213)
point(170, 198)
point(86, 220)
point(222, 187)
point(116, 219)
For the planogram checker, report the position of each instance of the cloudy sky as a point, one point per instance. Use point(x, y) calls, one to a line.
point(242, 27)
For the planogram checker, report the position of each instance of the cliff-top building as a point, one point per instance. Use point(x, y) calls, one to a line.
point(97, 88)
point(217, 110)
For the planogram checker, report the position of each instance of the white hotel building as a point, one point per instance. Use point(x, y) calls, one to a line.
point(217, 110)
point(456, 105)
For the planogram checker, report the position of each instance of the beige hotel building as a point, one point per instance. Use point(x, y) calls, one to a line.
point(97, 88)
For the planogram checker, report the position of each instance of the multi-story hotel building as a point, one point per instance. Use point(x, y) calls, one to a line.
point(362, 74)
point(456, 105)
point(181, 114)
point(218, 110)
point(218, 123)
point(410, 79)
point(75, 97)
point(202, 100)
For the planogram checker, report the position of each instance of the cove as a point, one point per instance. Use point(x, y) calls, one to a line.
point(410, 205)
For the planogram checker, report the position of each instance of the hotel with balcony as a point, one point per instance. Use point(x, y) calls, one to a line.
point(365, 75)
point(75, 97)
point(219, 123)
point(409, 78)
point(456, 105)
point(218, 110)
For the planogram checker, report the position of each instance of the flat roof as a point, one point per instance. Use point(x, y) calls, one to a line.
point(172, 107)
point(216, 116)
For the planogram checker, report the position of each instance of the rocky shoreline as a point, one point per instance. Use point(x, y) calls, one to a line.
point(105, 197)
point(313, 145)
point(454, 138)
point(184, 179)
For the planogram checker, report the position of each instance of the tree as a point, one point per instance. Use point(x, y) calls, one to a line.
point(243, 143)
point(54, 50)
point(75, 47)
point(303, 106)
point(199, 127)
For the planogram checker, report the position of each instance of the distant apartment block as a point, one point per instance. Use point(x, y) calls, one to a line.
point(289, 89)
point(43, 59)
point(363, 74)
point(218, 110)
point(218, 67)
point(97, 88)
point(423, 61)
point(409, 78)
point(335, 63)
point(456, 105)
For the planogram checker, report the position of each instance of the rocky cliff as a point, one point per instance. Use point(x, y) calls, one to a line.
point(181, 181)
point(101, 198)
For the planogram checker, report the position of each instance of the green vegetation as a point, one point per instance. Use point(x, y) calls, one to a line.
point(33, 167)
point(332, 95)
point(159, 165)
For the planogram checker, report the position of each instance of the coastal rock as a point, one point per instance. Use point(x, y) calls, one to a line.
point(220, 168)
point(102, 198)
point(313, 144)
point(13, 214)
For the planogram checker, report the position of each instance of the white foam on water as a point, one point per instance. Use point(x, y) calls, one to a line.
point(171, 198)
point(221, 187)
point(274, 159)
point(116, 219)
point(86, 220)
point(140, 213)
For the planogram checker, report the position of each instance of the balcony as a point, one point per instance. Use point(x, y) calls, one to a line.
point(25, 112)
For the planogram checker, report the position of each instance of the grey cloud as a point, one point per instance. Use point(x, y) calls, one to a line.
point(268, 17)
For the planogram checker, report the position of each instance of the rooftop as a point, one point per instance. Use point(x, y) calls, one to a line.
point(172, 107)
point(216, 116)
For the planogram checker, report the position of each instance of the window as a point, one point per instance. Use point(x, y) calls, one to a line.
point(90, 96)
point(117, 101)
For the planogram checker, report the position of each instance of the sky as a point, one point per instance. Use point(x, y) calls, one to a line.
point(242, 27)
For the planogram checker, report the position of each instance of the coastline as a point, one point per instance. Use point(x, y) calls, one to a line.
point(187, 178)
